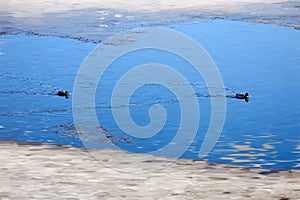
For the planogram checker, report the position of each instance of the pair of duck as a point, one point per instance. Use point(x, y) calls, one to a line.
point(238, 96)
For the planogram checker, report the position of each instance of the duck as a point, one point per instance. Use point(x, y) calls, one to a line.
point(63, 94)
point(243, 96)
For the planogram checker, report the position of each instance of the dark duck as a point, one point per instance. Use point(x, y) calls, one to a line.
point(63, 94)
point(243, 96)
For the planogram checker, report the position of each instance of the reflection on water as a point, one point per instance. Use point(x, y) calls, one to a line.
point(260, 59)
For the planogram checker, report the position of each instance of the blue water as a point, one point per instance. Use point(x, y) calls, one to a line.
point(256, 58)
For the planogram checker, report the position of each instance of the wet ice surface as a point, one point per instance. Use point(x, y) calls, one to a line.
point(260, 59)
point(47, 172)
point(92, 20)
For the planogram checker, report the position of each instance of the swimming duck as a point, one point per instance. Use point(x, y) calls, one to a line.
point(63, 94)
point(243, 96)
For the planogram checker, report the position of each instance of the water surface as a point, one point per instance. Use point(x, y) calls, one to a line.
point(256, 58)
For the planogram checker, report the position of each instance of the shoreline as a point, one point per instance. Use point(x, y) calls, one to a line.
point(146, 155)
point(48, 171)
point(186, 21)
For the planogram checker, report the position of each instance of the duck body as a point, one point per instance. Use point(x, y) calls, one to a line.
point(243, 96)
point(240, 96)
